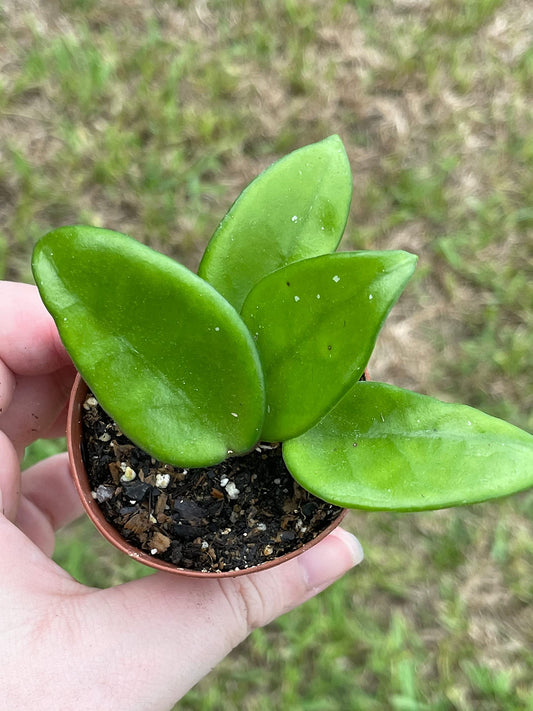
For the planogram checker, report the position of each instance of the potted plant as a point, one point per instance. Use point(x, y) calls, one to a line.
point(225, 416)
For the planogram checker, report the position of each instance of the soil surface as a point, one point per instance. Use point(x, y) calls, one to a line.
point(234, 515)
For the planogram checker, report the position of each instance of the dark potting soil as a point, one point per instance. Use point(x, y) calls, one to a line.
point(234, 515)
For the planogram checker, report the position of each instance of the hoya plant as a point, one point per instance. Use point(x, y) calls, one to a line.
point(268, 343)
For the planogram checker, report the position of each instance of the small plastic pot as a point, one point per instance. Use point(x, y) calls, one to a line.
point(81, 480)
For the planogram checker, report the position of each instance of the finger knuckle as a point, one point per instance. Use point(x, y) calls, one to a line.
point(248, 602)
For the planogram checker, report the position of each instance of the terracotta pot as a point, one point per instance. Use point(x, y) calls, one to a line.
point(81, 480)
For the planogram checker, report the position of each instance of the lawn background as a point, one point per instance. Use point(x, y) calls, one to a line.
point(150, 117)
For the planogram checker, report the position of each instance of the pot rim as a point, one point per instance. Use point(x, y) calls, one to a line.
point(81, 481)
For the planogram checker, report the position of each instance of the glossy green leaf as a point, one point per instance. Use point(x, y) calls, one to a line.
point(315, 323)
point(295, 209)
point(168, 358)
point(386, 448)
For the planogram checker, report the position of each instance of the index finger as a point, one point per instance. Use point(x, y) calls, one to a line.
point(29, 341)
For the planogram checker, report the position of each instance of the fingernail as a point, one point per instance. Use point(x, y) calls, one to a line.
point(331, 558)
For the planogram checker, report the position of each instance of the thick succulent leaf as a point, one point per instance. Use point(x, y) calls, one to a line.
point(295, 209)
point(168, 358)
point(315, 323)
point(385, 448)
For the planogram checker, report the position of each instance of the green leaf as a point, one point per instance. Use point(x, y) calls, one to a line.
point(295, 209)
point(385, 448)
point(315, 323)
point(167, 357)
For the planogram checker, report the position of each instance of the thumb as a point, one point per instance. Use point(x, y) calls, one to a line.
point(199, 622)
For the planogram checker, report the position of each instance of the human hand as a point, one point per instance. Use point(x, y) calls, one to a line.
point(138, 646)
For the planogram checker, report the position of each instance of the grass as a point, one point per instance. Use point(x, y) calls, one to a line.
point(152, 121)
